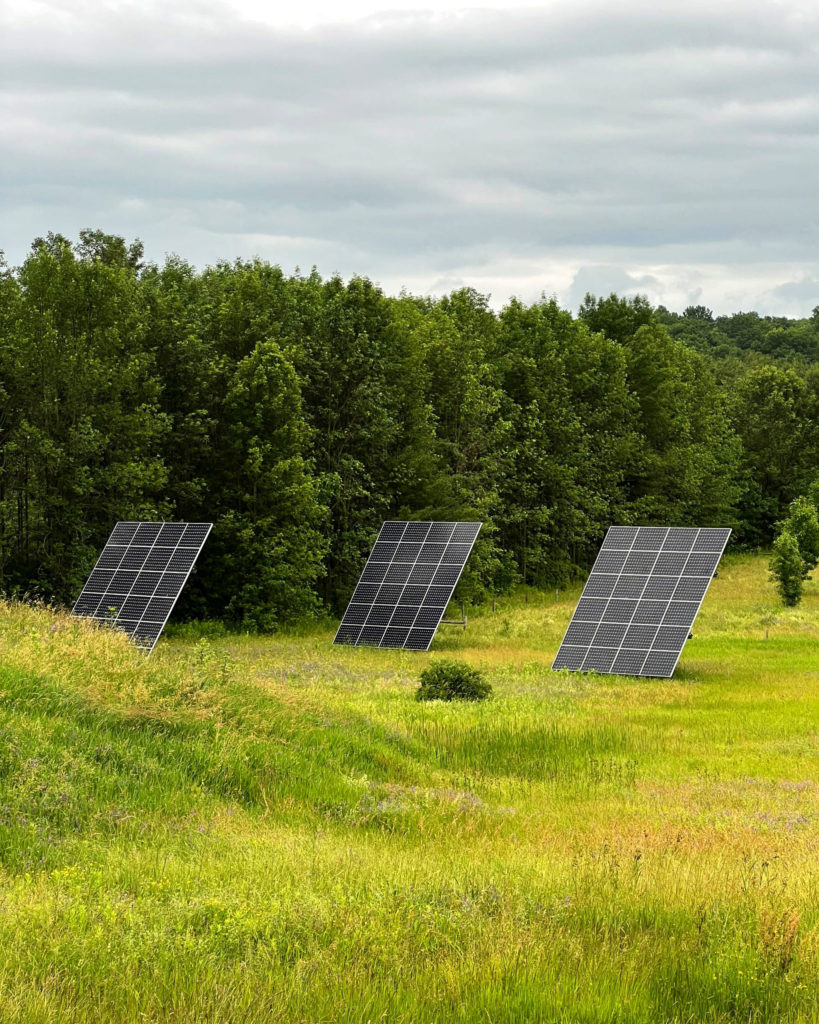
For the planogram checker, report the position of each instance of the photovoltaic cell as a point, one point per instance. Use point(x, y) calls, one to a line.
point(641, 599)
point(407, 584)
point(139, 576)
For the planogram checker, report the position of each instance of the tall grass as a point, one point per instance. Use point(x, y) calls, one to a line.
point(273, 829)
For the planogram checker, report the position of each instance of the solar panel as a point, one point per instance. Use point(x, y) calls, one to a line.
point(139, 576)
point(406, 584)
point(640, 601)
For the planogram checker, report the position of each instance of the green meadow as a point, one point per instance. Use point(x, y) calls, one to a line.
point(261, 829)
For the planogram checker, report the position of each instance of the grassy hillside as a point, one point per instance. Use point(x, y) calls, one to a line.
point(257, 829)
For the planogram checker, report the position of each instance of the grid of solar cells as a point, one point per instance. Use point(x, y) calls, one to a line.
point(640, 601)
point(139, 576)
point(406, 584)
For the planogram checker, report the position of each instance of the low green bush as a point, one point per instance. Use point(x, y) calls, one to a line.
point(452, 680)
point(787, 568)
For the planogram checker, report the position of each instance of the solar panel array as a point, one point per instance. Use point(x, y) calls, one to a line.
point(139, 576)
point(406, 584)
point(640, 601)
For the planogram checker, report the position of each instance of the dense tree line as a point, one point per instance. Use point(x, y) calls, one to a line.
point(298, 413)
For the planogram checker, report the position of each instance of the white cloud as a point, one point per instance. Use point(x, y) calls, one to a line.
point(558, 148)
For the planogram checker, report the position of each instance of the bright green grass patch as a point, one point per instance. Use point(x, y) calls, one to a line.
point(273, 829)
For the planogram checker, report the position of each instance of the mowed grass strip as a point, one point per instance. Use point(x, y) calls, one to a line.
point(273, 829)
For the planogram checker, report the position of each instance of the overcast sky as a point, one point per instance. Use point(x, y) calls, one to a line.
point(669, 149)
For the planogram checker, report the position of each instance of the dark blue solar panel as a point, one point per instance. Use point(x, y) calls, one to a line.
point(406, 584)
point(640, 600)
point(139, 576)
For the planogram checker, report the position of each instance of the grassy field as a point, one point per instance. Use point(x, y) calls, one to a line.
point(272, 829)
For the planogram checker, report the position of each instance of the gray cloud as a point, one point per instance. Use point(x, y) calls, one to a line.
point(602, 280)
point(804, 291)
point(560, 150)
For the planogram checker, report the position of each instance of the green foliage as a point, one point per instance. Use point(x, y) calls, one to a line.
point(81, 430)
point(617, 318)
point(803, 525)
point(745, 338)
point(452, 680)
point(687, 464)
point(270, 544)
point(298, 413)
point(372, 442)
point(472, 432)
point(774, 412)
point(787, 568)
point(566, 394)
point(813, 492)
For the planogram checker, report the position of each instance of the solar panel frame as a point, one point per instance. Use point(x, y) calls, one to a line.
point(148, 578)
point(416, 591)
point(683, 561)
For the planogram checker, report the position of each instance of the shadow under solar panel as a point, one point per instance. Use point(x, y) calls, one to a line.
point(407, 583)
point(139, 576)
point(640, 601)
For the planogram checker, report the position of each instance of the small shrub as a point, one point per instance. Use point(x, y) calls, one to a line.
point(452, 680)
point(803, 524)
point(787, 568)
